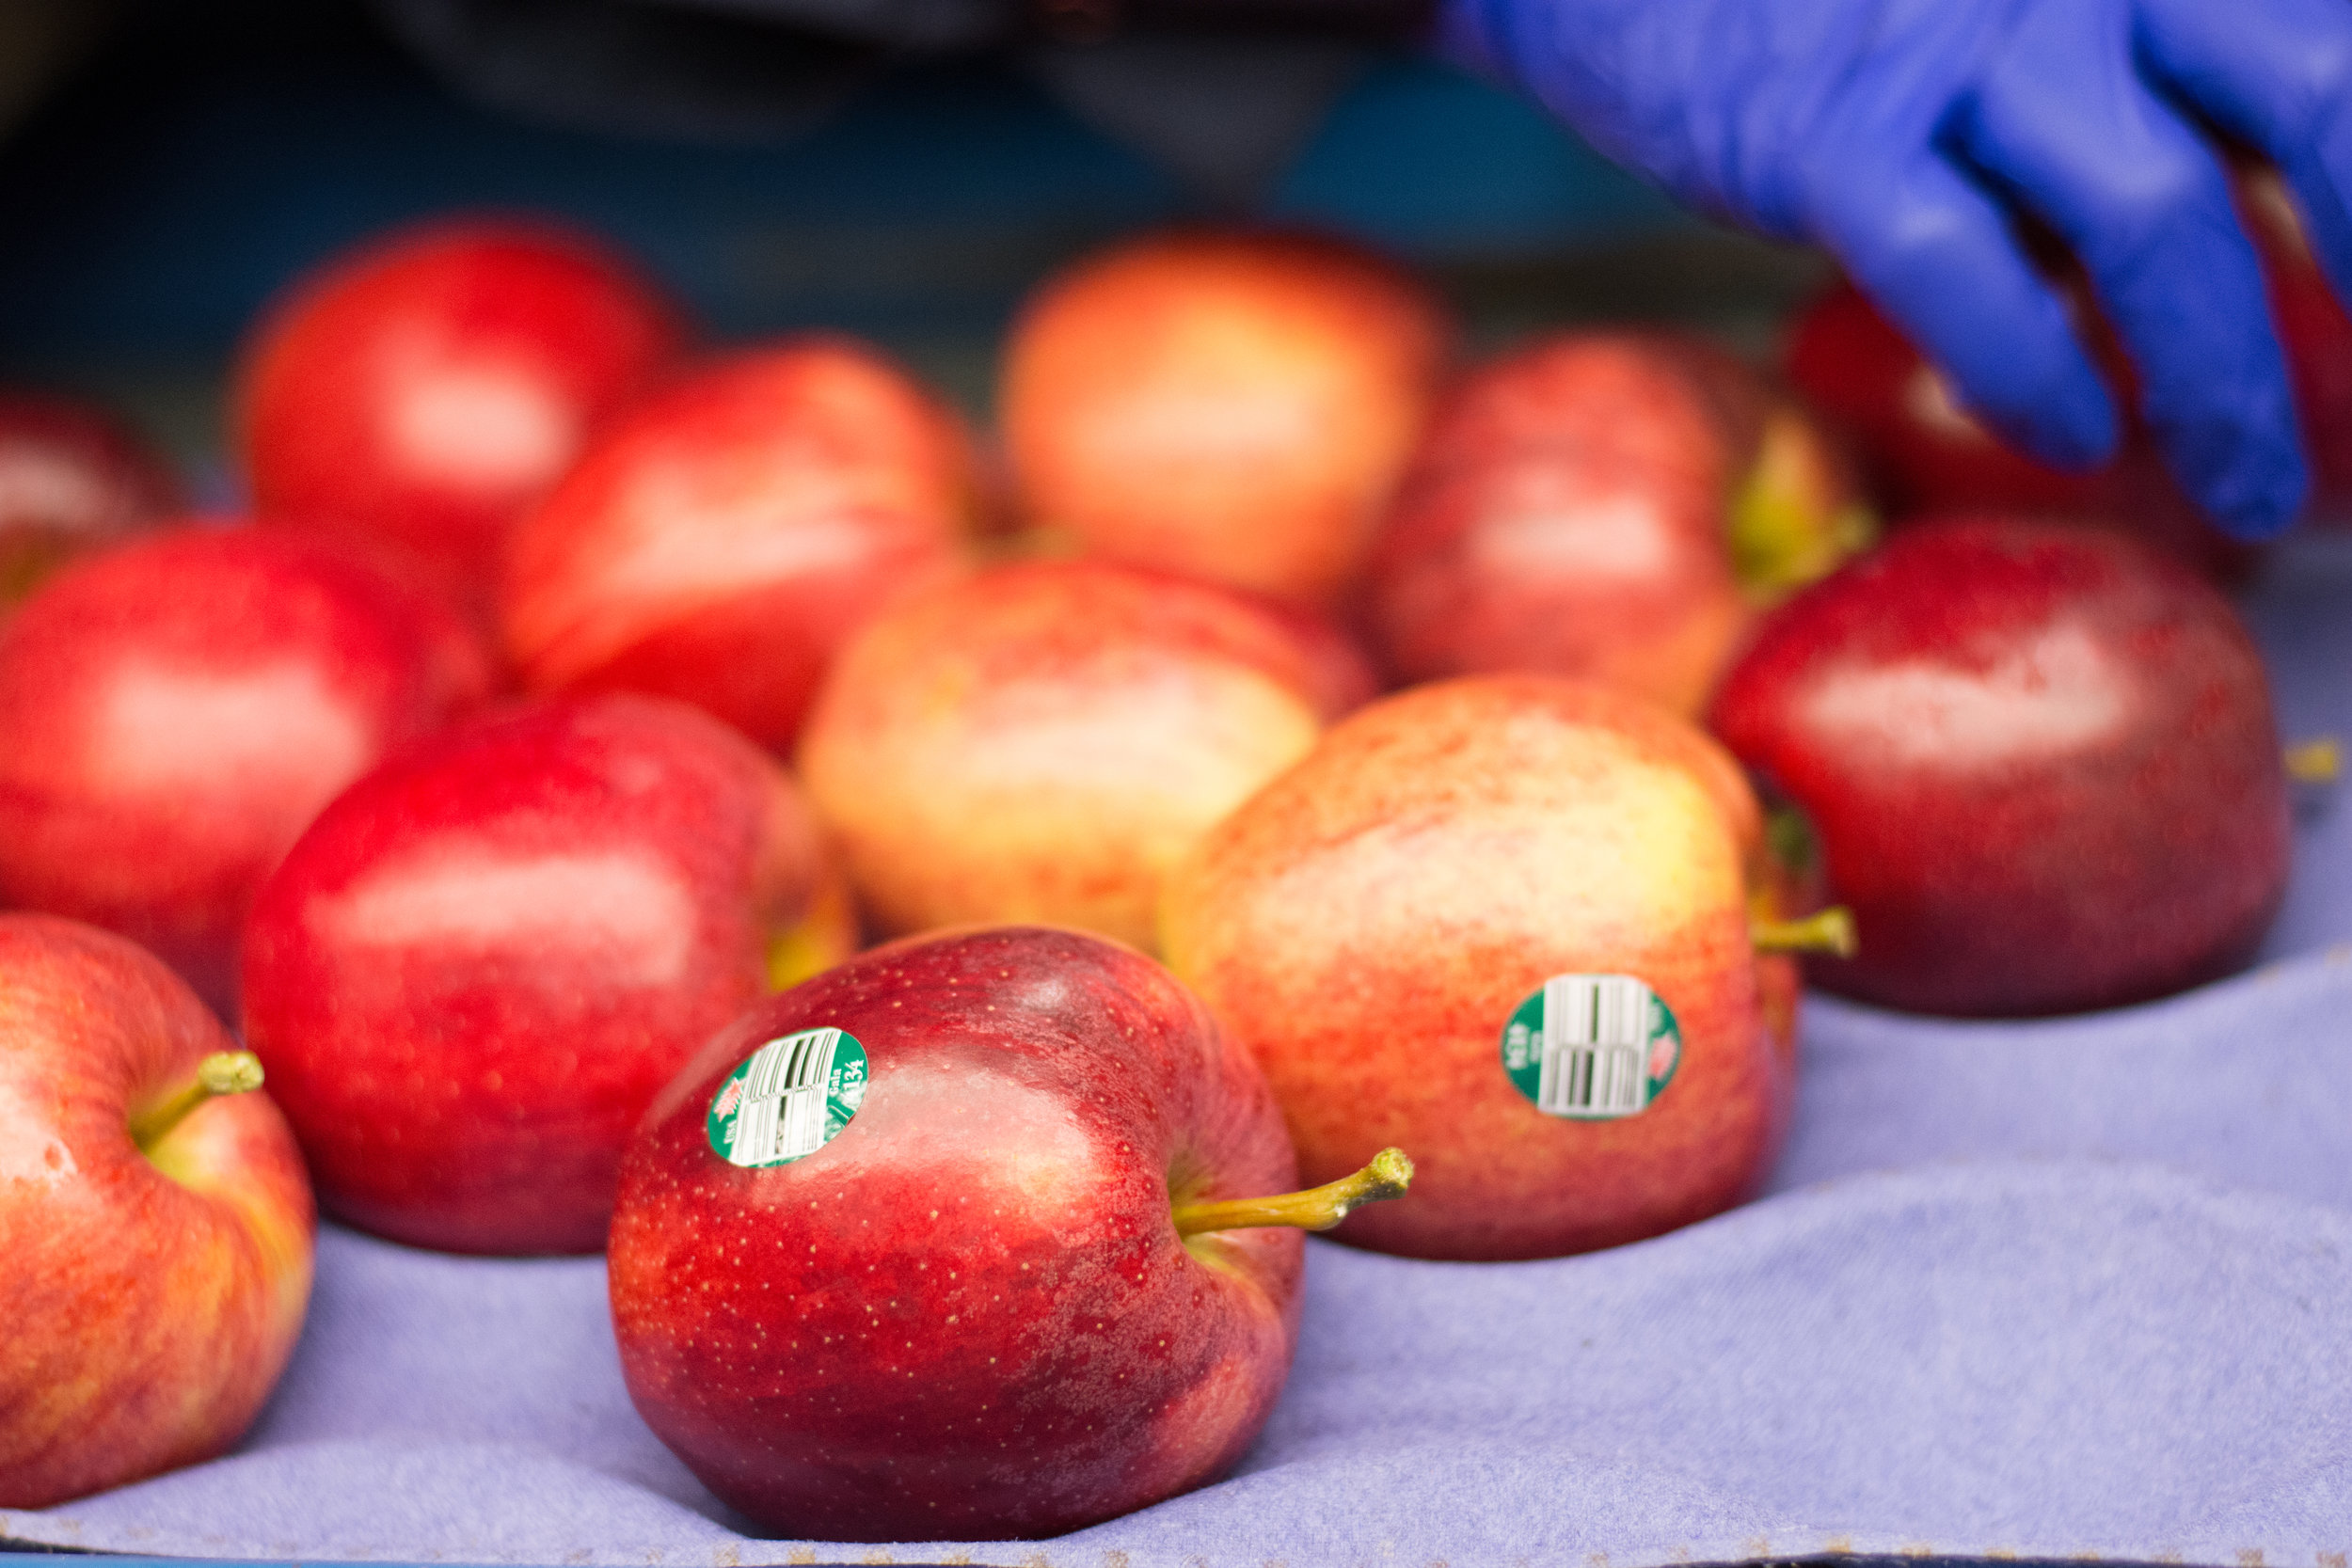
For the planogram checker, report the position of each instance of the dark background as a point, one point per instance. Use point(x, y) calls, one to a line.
point(186, 159)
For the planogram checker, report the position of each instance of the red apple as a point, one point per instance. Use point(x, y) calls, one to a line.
point(988, 1288)
point(1927, 455)
point(1043, 741)
point(2041, 763)
point(70, 480)
point(154, 1241)
point(1234, 406)
point(177, 711)
point(721, 542)
point(2315, 331)
point(1616, 505)
point(473, 972)
point(1411, 926)
point(428, 386)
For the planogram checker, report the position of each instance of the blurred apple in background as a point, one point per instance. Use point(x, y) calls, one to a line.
point(176, 710)
point(1008, 1279)
point(1618, 505)
point(72, 479)
point(1042, 741)
point(2315, 329)
point(1927, 455)
point(1505, 922)
point(156, 1224)
point(2041, 763)
point(473, 972)
point(1234, 406)
point(720, 542)
point(428, 386)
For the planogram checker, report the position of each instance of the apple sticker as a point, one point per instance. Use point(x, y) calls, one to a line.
point(788, 1098)
point(1591, 1047)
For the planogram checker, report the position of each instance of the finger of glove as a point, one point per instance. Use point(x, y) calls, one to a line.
point(2062, 118)
point(2279, 76)
point(1935, 253)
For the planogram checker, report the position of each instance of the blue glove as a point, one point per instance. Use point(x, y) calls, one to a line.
point(1901, 134)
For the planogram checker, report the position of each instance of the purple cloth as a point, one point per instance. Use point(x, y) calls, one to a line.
point(2081, 1286)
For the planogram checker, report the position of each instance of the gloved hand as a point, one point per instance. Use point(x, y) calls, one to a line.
point(1899, 134)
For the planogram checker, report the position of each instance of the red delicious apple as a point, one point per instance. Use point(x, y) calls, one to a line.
point(2041, 763)
point(70, 480)
point(1617, 505)
point(428, 386)
point(949, 1242)
point(154, 1240)
point(1927, 455)
point(1042, 741)
point(471, 974)
point(1511, 924)
point(178, 709)
point(1234, 406)
point(721, 542)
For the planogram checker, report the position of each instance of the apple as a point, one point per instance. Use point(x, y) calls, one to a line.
point(1227, 404)
point(1928, 457)
point(1042, 741)
point(470, 975)
point(1611, 504)
point(2315, 331)
point(155, 1239)
point(72, 479)
point(179, 708)
point(428, 386)
point(2041, 763)
point(720, 542)
point(1516, 925)
point(963, 1240)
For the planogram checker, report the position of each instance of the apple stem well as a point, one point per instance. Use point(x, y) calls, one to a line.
point(222, 1072)
point(2317, 761)
point(1831, 931)
point(1316, 1208)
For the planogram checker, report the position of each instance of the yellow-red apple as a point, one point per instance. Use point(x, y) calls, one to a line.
point(156, 1224)
point(1505, 922)
point(1233, 405)
point(1042, 741)
point(1616, 505)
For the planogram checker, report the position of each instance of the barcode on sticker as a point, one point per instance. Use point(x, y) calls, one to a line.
point(782, 1116)
point(1596, 1052)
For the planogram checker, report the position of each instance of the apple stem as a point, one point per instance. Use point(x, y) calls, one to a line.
point(1316, 1208)
point(2318, 761)
point(222, 1072)
point(1831, 931)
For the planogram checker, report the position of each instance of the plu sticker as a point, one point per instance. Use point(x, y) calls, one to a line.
point(1592, 1047)
point(788, 1098)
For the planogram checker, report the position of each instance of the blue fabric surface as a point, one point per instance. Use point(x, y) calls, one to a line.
point(2078, 1286)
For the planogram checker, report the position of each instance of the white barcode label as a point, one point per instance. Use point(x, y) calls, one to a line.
point(788, 1098)
point(1591, 1047)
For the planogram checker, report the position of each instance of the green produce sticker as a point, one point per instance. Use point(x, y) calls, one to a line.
point(788, 1098)
point(1592, 1047)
